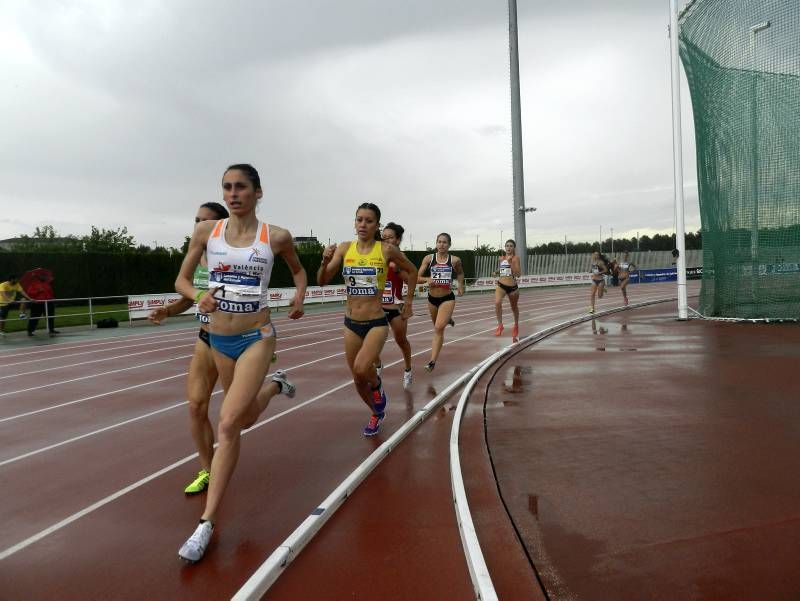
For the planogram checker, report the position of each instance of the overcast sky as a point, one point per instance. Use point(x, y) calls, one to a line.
point(126, 114)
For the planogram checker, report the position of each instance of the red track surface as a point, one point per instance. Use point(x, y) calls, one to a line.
point(75, 436)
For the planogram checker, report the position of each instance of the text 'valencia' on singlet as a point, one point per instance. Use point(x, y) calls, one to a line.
point(242, 273)
point(364, 275)
point(441, 273)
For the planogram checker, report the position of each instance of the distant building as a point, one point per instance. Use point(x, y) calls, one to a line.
point(298, 240)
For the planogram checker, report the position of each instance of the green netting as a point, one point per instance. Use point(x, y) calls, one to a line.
point(742, 61)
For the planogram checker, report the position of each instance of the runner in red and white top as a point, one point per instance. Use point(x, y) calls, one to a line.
point(392, 302)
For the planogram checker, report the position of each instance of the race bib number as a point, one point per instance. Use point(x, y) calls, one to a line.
point(388, 294)
point(361, 281)
point(236, 292)
point(505, 272)
point(441, 277)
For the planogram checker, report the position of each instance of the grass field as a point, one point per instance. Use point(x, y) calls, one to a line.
point(71, 315)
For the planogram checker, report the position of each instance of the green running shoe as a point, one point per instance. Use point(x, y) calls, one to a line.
point(199, 484)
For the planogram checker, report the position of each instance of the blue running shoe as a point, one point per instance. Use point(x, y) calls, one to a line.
point(374, 425)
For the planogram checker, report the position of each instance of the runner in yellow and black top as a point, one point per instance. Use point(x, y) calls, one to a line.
point(364, 263)
point(438, 270)
point(202, 370)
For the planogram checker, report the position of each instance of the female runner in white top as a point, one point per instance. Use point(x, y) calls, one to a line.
point(240, 251)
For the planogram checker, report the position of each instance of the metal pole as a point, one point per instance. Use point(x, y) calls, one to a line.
point(754, 31)
point(612, 242)
point(601, 238)
point(566, 252)
point(516, 139)
point(677, 154)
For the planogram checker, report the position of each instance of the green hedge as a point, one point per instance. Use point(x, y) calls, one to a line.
point(97, 274)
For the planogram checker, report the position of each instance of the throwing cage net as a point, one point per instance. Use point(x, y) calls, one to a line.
point(742, 62)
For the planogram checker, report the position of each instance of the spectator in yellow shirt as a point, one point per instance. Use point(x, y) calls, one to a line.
point(10, 292)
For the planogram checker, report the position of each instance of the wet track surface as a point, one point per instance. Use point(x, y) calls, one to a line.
point(637, 457)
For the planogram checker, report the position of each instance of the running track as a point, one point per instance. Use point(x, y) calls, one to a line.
point(96, 451)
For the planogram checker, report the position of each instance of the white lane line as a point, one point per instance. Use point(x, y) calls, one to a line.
point(89, 344)
point(90, 398)
point(70, 355)
point(92, 433)
point(41, 371)
point(105, 373)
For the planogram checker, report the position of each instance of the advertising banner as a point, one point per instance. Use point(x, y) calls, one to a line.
point(529, 281)
point(140, 305)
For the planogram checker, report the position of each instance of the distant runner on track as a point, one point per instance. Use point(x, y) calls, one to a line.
point(598, 269)
point(364, 263)
point(241, 251)
point(507, 274)
point(624, 270)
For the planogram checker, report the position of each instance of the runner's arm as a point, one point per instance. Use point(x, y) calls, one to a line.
point(285, 246)
point(459, 269)
point(332, 258)
point(516, 266)
point(421, 278)
point(197, 246)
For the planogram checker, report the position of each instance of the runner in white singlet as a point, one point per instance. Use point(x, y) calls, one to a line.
point(240, 252)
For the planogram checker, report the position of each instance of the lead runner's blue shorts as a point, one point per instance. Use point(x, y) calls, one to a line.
point(234, 345)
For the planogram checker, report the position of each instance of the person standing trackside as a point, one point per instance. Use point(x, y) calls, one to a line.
point(438, 270)
point(364, 263)
point(10, 291)
point(241, 251)
point(40, 290)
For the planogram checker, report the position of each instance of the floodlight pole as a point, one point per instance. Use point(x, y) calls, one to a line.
point(519, 208)
point(677, 159)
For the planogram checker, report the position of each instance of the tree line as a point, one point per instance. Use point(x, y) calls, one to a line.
point(101, 240)
point(693, 241)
